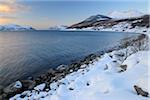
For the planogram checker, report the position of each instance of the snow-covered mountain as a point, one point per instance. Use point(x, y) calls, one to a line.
point(96, 18)
point(89, 21)
point(61, 27)
point(14, 27)
point(124, 14)
point(124, 23)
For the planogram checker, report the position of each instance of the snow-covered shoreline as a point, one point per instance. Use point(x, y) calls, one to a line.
point(88, 79)
point(117, 28)
point(101, 79)
point(95, 78)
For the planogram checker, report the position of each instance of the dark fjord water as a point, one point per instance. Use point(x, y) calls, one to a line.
point(24, 54)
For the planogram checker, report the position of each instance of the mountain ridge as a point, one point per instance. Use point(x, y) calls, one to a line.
point(15, 27)
point(142, 21)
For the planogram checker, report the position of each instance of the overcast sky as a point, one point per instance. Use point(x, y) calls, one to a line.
point(42, 14)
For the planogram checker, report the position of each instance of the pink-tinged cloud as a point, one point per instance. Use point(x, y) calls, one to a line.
point(6, 19)
point(9, 8)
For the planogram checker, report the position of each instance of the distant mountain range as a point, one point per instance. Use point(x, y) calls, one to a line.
point(61, 27)
point(14, 27)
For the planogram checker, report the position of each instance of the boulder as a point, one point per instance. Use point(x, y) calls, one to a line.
point(140, 91)
point(38, 80)
point(124, 67)
point(3, 96)
point(30, 78)
point(40, 87)
point(43, 77)
point(71, 89)
point(1, 89)
point(13, 88)
point(51, 71)
point(61, 67)
point(28, 84)
point(18, 84)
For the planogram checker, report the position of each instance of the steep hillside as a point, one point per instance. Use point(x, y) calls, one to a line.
point(90, 21)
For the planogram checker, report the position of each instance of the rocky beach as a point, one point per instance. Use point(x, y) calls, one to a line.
point(61, 72)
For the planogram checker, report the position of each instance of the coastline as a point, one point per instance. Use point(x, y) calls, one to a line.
point(54, 75)
point(74, 50)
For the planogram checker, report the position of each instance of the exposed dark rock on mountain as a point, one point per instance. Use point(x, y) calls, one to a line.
point(142, 21)
point(89, 22)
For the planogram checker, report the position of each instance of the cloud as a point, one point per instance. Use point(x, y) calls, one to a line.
point(9, 9)
point(6, 8)
point(6, 19)
point(11, 6)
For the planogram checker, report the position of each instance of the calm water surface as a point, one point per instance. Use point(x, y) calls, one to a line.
point(24, 54)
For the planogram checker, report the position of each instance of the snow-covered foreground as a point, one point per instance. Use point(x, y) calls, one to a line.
point(104, 79)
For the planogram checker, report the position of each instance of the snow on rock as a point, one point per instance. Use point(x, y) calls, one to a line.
point(40, 87)
point(125, 14)
point(18, 84)
point(101, 80)
point(143, 82)
point(135, 59)
point(96, 18)
point(139, 63)
point(122, 27)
